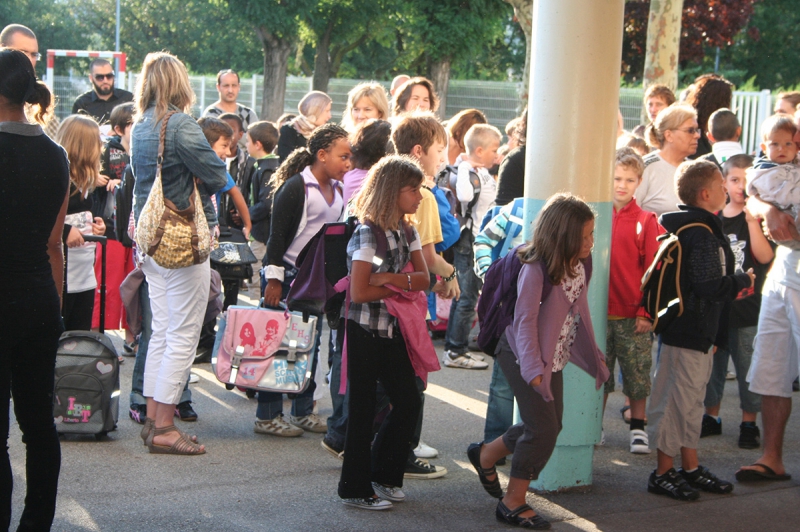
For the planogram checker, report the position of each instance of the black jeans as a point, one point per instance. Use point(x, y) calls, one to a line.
point(371, 359)
point(30, 326)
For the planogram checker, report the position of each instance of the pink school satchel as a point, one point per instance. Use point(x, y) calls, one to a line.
point(266, 350)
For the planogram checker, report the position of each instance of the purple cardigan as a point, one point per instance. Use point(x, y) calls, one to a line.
point(534, 333)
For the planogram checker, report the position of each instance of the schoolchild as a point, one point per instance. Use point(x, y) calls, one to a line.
point(482, 142)
point(633, 246)
point(307, 194)
point(372, 473)
point(241, 168)
point(707, 282)
point(751, 249)
point(79, 135)
point(262, 137)
point(534, 349)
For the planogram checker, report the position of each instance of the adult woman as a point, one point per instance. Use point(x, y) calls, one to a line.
point(178, 297)
point(674, 135)
point(787, 102)
point(511, 177)
point(711, 92)
point(415, 94)
point(457, 127)
point(315, 110)
point(35, 183)
point(365, 101)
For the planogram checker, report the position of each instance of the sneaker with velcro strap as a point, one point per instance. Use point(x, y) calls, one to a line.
point(277, 426)
point(702, 478)
point(672, 484)
point(463, 360)
point(368, 503)
point(390, 493)
point(422, 469)
point(640, 444)
point(311, 423)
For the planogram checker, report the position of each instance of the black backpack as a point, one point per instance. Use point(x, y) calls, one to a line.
point(447, 180)
point(662, 296)
point(124, 204)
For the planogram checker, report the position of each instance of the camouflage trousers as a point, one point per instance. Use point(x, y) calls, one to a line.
point(633, 352)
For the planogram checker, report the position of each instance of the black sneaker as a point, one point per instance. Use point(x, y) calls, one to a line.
point(332, 448)
point(419, 468)
point(711, 427)
point(705, 480)
point(672, 484)
point(749, 436)
point(138, 413)
point(185, 411)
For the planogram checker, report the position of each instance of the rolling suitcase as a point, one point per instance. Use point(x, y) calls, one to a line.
point(86, 395)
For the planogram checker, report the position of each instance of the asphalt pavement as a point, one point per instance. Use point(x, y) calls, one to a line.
point(249, 481)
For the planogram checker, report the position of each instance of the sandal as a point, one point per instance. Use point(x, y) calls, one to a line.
point(182, 446)
point(149, 425)
point(535, 522)
point(492, 487)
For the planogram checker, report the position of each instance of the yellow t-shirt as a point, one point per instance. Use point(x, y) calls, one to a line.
point(428, 225)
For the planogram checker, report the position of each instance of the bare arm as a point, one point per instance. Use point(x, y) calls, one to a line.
point(438, 266)
point(366, 286)
point(241, 207)
point(55, 250)
point(778, 225)
point(762, 250)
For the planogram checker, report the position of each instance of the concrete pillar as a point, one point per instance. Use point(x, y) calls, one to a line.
point(572, 124)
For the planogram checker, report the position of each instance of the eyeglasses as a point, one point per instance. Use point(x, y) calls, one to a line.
point(33, 55)
point(690, 130)
point(100, 77)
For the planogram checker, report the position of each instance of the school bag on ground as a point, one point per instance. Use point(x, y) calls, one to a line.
point(662, 297)
point(499, 296)
point(264, 349)
point(86, 393)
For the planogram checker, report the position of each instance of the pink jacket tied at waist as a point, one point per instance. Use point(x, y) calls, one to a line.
point(410, 309)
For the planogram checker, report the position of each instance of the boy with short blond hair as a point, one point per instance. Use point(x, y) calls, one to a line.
point(633, 245)
point(707, 282)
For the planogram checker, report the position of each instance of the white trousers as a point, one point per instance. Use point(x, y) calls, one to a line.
point(178, 300)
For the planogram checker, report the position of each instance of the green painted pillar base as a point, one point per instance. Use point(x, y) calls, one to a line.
point(569, 467)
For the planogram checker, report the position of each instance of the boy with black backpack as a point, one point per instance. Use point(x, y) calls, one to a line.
point(707, 283)
point(262, 137)
point(475, 191)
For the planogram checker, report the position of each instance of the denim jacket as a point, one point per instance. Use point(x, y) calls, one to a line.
point(186, 154)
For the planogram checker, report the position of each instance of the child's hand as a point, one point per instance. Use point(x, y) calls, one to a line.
point(74, 238)
point(536, 381)
point(100, 181)
point(112, 184)
point(752, 277)
point(643, 325)
point(99, 226)
point(272, 293)
point(246, 231)
point(378, 279)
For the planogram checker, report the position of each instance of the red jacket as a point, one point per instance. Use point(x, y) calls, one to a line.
point(633, 246)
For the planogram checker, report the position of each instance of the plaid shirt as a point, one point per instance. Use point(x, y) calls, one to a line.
point(373, 316)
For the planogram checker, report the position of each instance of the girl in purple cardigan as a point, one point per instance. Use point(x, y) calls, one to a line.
point(532, 353)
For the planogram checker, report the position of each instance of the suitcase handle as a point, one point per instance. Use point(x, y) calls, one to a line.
point(102, 240)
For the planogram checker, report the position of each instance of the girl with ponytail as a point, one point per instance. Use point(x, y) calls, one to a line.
point(308, 194)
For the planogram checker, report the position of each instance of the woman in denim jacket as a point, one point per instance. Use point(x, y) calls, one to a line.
point(178, 297)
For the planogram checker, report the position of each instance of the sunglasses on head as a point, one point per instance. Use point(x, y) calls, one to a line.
point(100, 77)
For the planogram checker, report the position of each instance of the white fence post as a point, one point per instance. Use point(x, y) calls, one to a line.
point(202, 93)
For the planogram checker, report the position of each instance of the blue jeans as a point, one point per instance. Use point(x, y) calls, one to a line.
point(137, 381)
point(337, 422)
point(740, 349)
point(500, 409)
point(270, 404)
point(462, 312)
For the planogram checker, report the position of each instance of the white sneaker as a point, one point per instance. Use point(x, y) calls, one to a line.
point(423, 450)
point(311, 423)
point(194, 378)
point(388, 492)
point(277, 427)
point(640, 444)
point(463, 361)
point(475, 356)
point(375, 503)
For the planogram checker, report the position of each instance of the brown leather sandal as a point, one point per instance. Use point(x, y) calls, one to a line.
point(149, 425)
point(182, 446)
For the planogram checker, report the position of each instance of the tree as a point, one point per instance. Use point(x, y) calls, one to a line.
point(523, 11)
point(663, 43)
point(276, 22)
point(767, 47)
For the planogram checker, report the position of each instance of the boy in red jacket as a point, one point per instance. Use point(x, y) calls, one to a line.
point(633, 246)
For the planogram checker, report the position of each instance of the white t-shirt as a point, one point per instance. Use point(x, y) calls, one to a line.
point(80, 260)
point(656, 193)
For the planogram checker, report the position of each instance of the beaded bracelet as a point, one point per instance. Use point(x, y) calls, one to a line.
point(451, 276)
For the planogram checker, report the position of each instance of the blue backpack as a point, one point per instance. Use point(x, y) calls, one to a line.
point(513, 228)
point(450, 228)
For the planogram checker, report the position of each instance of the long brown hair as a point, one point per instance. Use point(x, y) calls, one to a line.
point(79, 135)
point(163, 81)
point(558, 236)
point(377, 200)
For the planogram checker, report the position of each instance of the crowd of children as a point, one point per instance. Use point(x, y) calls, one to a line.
point(429, 193)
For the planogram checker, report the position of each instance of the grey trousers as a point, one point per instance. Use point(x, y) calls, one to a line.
point(676, 402)
point(532, 441)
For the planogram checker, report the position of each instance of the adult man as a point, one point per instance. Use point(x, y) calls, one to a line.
point(775, 357)
point(103, 97)
point(396, 82)
point(21, 38)
point(228, 88)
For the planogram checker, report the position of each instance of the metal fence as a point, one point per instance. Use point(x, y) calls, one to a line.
point(498, 100)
